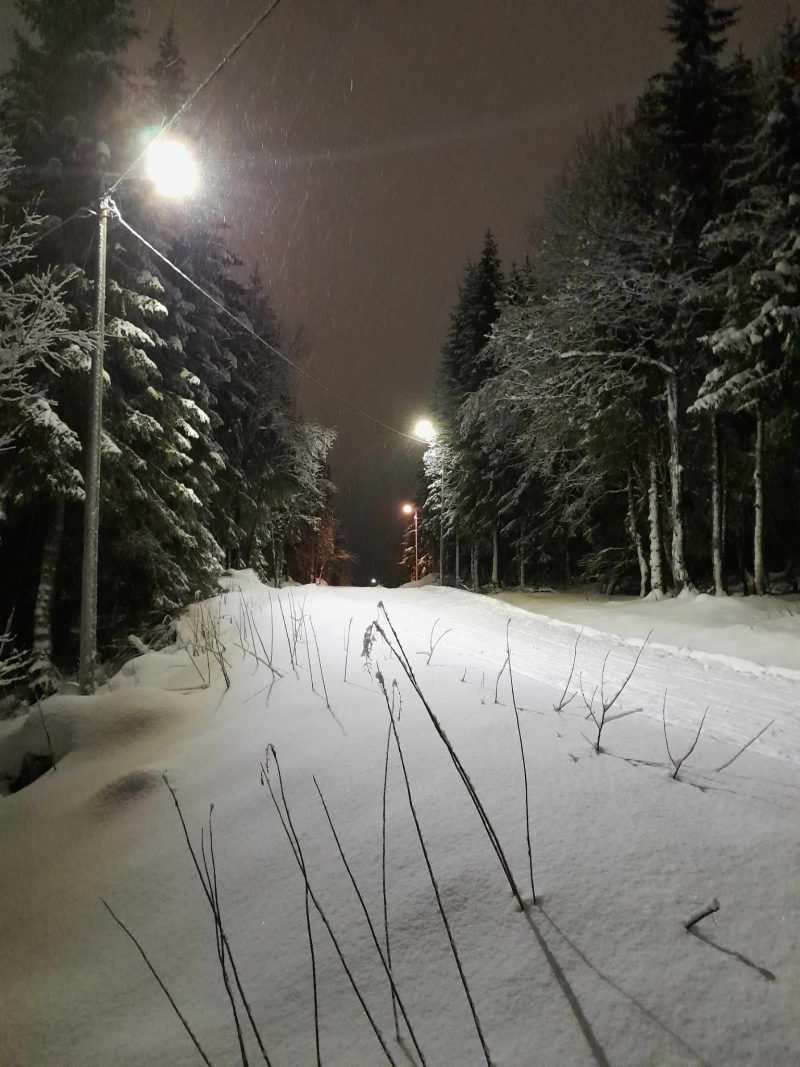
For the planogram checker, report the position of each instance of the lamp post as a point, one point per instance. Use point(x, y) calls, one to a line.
point(409, 509)
point(170, 168)
point(426, 431)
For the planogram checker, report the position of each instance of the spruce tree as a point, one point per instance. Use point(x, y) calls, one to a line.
point(755, 246)
point(473, 496)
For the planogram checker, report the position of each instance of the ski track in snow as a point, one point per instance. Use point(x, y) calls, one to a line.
point(741, 698)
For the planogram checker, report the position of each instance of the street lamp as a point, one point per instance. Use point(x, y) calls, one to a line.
point(409, 509)
point(170, 168)
point(424, 430)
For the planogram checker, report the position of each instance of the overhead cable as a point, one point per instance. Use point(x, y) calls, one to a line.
point(193, 96)
point(261, 340)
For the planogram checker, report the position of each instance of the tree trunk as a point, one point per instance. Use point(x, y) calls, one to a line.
point(474, 566)
point(740, 554)
point(276, 576)
point(633, 530)
point(723, 469)
point(656, 580)
point(495, 558)
point(42, 669)
point(521, 544)
point(758, 521)
point(458, 561)
point(716, 509)
point(679, 575)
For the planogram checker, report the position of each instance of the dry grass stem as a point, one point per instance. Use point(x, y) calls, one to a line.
point(370, 924)
point(155, 974)
point(432, 876)
point(294, 841)
point(524, 764)
point(396, 648)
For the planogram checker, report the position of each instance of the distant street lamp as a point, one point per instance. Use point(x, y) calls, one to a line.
point(424, 430)
point(171, 169)
point(409, 509)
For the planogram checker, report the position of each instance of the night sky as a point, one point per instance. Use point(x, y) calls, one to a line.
point(359, 150)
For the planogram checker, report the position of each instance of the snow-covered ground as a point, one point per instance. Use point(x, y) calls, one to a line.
point(601, 971)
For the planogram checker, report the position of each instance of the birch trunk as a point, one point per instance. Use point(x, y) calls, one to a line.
point(42, 670)
point(633, 530)
point(458, 562)
point(474, 566)
point(758, 523)
point(679, 575)
point(495, 558)
point(656, 580)
point(716, 509)
point(723, 468)
point(521, 550)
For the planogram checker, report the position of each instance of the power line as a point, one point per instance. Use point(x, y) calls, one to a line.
point(81, 213)
point(270, 347)
point(193, 96)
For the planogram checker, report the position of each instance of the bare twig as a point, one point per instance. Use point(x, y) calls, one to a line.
point(702, 913)
point(319, 660)
point(432, 644)
point(677, 764)
point(588, 703)
point(744, 748)
point(497, 680)
point(203, 679)
point(607, 704)
point(563, 699)
point(524, 764)
point(267, 655)
point(288, 639)
point(46, 731)
point(308, 655)
point(347, 647)
point(155, 974)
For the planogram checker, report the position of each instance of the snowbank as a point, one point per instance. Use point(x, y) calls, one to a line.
point(760, 631)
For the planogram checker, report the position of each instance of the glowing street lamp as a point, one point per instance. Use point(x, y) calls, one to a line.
point(424, 430)
point(169, 166)
point(409, 509)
